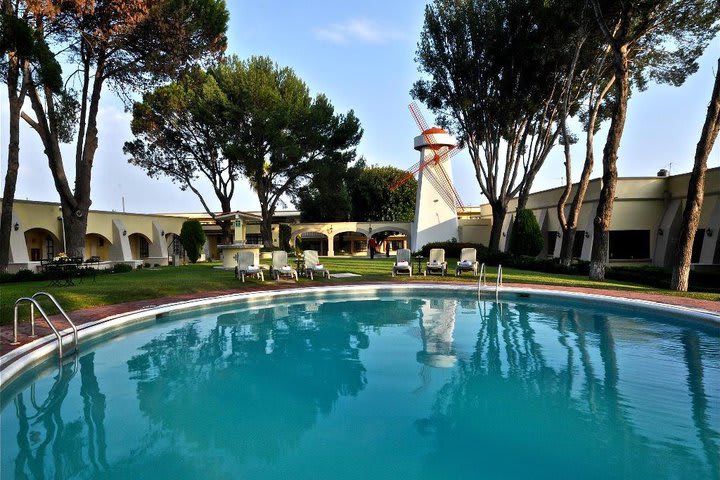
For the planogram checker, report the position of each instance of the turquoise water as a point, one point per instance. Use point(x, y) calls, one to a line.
point(435, 385)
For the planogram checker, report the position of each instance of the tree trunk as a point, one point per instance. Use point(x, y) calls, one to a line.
point(75, 226)
point(609, 179)
point(13, 161)
point(566, 248)
point(499, 210)
point(696, 191)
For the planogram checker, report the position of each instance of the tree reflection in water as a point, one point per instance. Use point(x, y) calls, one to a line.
point(499, 413)
point(271, 370)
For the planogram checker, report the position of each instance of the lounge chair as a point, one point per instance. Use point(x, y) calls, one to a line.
point(468, 262)
point(281, 267)
point(403, 262)
point(436, 263)
point(248, 265)
point(313, 265)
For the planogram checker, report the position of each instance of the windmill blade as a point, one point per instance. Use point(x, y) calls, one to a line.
point(436, 182)
point(418, 116)
point(447, 185)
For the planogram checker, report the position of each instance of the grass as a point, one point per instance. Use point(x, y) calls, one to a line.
point(169, 281)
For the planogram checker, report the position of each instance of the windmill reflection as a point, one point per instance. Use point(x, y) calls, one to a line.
point(437, 323)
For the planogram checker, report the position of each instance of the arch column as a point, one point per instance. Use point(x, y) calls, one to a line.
point(331, 244)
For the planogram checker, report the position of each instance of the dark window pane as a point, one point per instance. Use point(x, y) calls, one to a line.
point(697, 246)
point(578, 243)
point(551, 239)
point(629, 244)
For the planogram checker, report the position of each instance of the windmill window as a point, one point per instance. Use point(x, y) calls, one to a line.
point(49, 247)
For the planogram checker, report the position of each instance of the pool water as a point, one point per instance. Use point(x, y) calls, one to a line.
point(422, 385)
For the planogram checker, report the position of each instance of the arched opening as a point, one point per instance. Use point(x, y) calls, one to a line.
point(139, 246)
point(97, 245)
point(312, 241)
point(350, 244)
point(390, 241)
point(42, 244)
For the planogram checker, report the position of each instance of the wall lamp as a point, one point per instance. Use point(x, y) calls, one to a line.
point(16, 227)
point(124, 233)
point(660, 231)
point(504, 234)
point(587, 234)
point(709, 232)
point(162, 234)
point(558, 234)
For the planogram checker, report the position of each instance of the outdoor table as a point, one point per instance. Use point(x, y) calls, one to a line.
point(419, 259)
point(300, 262)
point(62, 271)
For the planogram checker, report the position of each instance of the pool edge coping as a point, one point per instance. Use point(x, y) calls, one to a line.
point(21, 359)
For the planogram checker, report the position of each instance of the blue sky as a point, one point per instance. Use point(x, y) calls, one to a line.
point(361, 55)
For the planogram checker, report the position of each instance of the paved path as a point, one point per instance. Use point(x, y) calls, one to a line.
point(98, 313)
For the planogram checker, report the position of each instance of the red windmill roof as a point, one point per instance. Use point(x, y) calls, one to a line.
point(433, 130)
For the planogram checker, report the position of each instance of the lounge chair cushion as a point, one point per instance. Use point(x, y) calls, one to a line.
point(465, 263)
point(434, 263)
point(286, 268)
point(319, 266)
point(252, 268)
point(402, 264)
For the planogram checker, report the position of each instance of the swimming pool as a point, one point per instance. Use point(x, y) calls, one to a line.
point(377, 384)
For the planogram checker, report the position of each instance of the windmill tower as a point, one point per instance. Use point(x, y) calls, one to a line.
point(437, 201)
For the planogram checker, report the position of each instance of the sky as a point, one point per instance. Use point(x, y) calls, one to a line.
point(361, 55)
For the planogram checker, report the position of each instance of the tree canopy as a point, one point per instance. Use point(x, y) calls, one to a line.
point(179, 132)
point(129, 45)
point(280, 134)
point(372, 199)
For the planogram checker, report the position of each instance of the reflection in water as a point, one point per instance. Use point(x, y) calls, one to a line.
point(507, 411)
point(518, 391)
point(437, 323)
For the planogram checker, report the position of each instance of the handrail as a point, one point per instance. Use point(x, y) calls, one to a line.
point(482, 281)
point(498, 281)
point(35, 304)
point(62, 311)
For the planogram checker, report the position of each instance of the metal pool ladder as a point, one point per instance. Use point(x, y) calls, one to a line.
point(33, 301)
point(498, 281)
point(482, 280)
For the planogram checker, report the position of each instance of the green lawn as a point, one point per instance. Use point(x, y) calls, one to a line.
point(153, 283)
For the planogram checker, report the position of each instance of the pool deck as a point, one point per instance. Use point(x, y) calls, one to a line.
point(108, 312)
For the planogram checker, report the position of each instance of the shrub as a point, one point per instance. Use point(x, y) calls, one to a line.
point(121, 268)
point(453, 248)
point(24, 275)
point(526, 237)
point(192, 239)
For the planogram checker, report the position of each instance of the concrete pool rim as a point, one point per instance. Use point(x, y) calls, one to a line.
point(23, 358)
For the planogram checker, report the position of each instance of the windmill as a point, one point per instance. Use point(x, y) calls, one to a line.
point(437, 201)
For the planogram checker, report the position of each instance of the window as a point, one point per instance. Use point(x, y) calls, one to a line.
point(551, 241)
point(629, 244)
point(101, 242)
point(49, 247)
point(697, 245)
point(144, 247)
point(360, 245)
point(578, 243)
point(253, 238)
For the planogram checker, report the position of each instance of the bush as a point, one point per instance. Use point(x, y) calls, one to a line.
point(526, 237)
point(452, 249)
point(24, 275)
point(660, 277)
point(121, 268)
point(192, 239)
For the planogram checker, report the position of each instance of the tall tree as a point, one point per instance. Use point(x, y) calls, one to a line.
point(494, 79)
point(696, 191)
point(22, 48)
point(130, 45)
point(589, 79)
point(279, 132)
point(372, 199)
point(179, 133)
point(325, 198)
point(648, 39)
